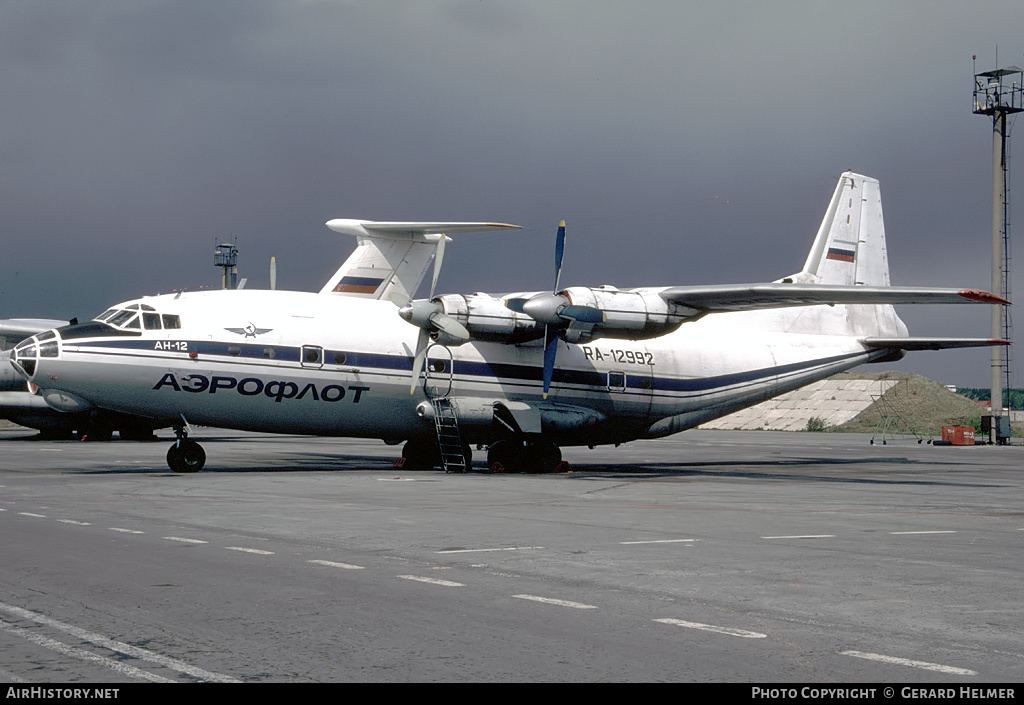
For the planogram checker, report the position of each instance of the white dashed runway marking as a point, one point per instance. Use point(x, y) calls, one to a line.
point(729, 631)
point(805, 536)
point(432, 581)
point(952, 670)
point(335, 564)
point(553, 601)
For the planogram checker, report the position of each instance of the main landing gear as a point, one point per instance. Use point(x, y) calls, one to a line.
point(512, 455)
point(185, 455)
point(522, 455)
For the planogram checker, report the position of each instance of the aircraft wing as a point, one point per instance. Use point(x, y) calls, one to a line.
point(748, 297)
point(918, 343)
point(14, 330)
point(392, 256)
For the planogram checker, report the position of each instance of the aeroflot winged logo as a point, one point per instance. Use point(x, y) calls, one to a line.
point(250, 331)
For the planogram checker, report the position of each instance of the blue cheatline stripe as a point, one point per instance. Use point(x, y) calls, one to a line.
point(203, 347)
point(498, 371)
point(374, 360)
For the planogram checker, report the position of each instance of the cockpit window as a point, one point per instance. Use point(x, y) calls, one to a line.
point(120, 318)
point(137, 316)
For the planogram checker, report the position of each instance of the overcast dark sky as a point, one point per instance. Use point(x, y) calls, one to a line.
point(683, 142)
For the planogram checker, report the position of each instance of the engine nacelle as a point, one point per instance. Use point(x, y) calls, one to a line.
point(488, 319)
point(629, 315)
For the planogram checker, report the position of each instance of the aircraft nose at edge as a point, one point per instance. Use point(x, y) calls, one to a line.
point(26, 355)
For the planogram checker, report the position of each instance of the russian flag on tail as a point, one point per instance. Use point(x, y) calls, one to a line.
point(840, 255)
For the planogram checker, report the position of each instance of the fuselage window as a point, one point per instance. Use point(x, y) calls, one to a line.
point(269, 353)
point(311, 354)
point(339, 358)
point(234, 350)
point(616, 381)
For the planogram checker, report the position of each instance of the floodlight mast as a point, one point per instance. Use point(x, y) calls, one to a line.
point(1000, 93)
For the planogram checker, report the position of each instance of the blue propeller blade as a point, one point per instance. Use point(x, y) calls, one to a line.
point(551, 332)
point(559, 251)
point(550, 350)
point(583, 314)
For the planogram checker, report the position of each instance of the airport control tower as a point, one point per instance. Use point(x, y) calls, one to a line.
point(998, 94)
point(226, 257)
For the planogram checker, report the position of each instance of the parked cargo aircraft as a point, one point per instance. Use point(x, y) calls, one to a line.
point(521, 373)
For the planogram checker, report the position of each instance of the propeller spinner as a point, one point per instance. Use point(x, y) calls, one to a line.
point(556, 311)
point(429, 317)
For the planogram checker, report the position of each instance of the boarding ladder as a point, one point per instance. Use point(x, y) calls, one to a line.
point(890, 422)
point(449, 440)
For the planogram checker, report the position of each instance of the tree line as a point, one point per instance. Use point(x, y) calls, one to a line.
point(1012, 398)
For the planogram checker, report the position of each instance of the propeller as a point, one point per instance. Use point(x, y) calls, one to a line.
point(555, 311)
point(429, 316)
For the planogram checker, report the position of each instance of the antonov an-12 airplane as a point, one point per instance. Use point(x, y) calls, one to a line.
point(520, 373)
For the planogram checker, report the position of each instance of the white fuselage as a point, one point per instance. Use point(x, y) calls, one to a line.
point(291, 362)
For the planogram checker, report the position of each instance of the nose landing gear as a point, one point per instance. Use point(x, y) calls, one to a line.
point(185, 455)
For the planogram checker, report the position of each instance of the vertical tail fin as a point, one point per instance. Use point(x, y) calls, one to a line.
point(850, 250)
point(850, 246)
point(391, 257)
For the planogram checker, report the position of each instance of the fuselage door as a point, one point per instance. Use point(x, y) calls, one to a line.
point(437, 377)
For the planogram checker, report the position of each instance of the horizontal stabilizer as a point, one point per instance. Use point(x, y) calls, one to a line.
point(409, 230)
point(748, 297)
point(917, 343)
